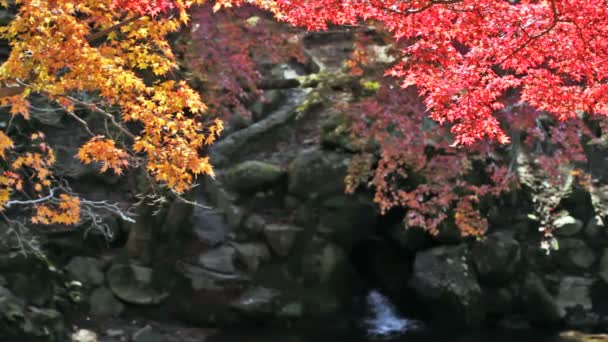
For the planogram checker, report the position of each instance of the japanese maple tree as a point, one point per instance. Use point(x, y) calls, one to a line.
point(487, 70)
point(107, 50)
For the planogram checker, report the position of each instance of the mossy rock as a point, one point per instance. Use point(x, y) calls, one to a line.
point(252, 176)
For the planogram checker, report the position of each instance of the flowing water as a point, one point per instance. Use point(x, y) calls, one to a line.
point(380, 322)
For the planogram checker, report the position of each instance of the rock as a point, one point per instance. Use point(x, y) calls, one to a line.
point(573, 254)
point(315, 174)
point(281, 237)
point(44, 323)
point(573, 292)
point(442, 278)
point(567, 226)
point(319, 261)
point(603, 267)
point(254, 225)
point(346, 219)
point(261, 109)
point(11, 307)
point(86, 270)
point(202, 279)
point(251, 254)
point(132, 285)
point(209, 226)
point(540, 306)
point(147, 334)
point(335, 133)
point(84, 335)
point(103, 303)
point(574, 299)
point(595, 228)
point(234, 216)
point(496, 258)
point(256, 302)
point(252, 176)
point(220, 259)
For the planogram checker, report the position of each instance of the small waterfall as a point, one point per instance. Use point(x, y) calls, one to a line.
point(385, 321)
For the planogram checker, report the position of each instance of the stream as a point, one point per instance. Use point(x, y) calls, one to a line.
point(380, 322)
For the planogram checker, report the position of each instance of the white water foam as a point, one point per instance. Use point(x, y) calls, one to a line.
point(385, 321)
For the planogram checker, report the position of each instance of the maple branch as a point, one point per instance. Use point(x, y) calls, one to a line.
point(81, 121)
point(421, 9)
point(46, 198)
point(98, 110)
point(531, 38)
point(110, 29)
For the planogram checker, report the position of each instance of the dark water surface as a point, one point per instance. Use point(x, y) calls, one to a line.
point(380, 321)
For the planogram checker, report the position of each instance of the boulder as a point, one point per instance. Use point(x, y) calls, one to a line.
point(273, 99)
point(319, 261)
point(256, 302)
point(496, 258)
point(281, 237)
point(209, 226)
point(84, 335)
point(254, 225)
point(539, 304)
point(573, 254)
point(316, 173)
point(595, 229)
point(252, 176)
point(442, 278)
point(567, 226)
point(44, 323)
point(103, 303)
point(220, 259)
point(603, 266)
point(132, 284)
point(251, 254)
point(574, 299)
point(86, 270)
point(335, 133)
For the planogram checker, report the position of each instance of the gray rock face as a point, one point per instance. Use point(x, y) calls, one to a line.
point(442, 276)
point(251, 176)
point(567, 226)
point(251, 254)
point(220, 259)
point(103, 303)
point(496, 258)
point(574, 294)
point(281, 237)
point(574, 254)
point(603, 267)
point(132, 285)
point(315, 173)
point(539, 304)
point(319, 261)
point(86, 270)
point(209, 226)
